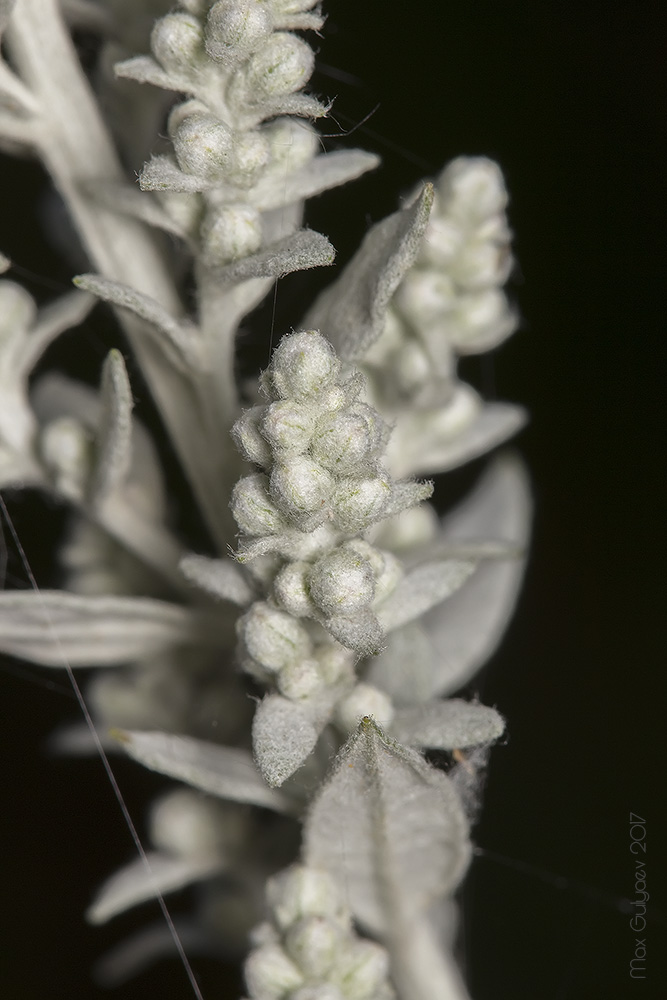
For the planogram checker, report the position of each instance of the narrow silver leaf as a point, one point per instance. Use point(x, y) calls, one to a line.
point(114, 433)
point(351, 312)
point(227, 772)
point(284, 733)
point(162, 173)
point(447, 725)
point(64, 313)
point(422, 588)
point(143, 69)
point(389, 828)
point(298, 252)
point(321, 173)
point(221, 578)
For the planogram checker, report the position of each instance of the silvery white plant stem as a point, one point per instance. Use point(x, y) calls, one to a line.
point(76, 148)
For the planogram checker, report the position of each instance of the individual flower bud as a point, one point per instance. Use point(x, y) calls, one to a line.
point(364, 700)
point(442, 240)
point(229, 233)
point(176, 42)
point(250, 157)
point(184, 208)
point(17, 309)
point(184, 110)
point(203, 146)
point(413, 527)
point(67, 449)
point(342, 440)
point(249, 439)
point(410, 367)
point(292, 142)
point(334, 662)
point(270, 974)
point(235, 28)
point(472, 189)
point(288, 426)
point(189, 824)
point(301, 487)
point(424, 297)
point(481, 265)
point(342, 582)
point(386, 568)
point(253, 509)
point(300, 679)
point(303, 365)
point(356, 503)
point(313, 943)
point(291, 591)
point(281, 66)
point(483, 316)
point(273, 638)
point(362, 970)
point(300, 892)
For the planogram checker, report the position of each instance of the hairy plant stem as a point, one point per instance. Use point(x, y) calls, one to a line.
point(76, 150)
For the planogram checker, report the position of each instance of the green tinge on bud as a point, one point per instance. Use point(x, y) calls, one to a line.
point(251, 155)
point(273, 638)
point(356, 503)
point(248, 438)
point(302, 365)
point(229, 233)
point(270, 974)
point(362, 970)
point(364, 700)
point(313, 944)
point(304, 892)
point(300, 679)
point(291, 591)
point(342, 441)
point(292, 142)
point(177, 42)
point(283, 64)
point(235, 28)
point(300, 486)
point(288, 426)
point(203, 146)
point(387, 570)
point(342, 582)
point(252, 507)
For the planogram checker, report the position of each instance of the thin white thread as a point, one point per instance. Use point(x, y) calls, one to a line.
point(102, 753)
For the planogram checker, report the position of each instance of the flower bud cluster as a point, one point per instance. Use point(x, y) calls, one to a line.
point(240, 67)
point(309, 950)
point(451, 301)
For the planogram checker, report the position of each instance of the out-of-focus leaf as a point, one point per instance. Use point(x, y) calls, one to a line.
point(320, 174)
point(221, 578)
point(447, 725)
point(227, 772)
point(421, 589)
point(114, 433)
point(389, 828)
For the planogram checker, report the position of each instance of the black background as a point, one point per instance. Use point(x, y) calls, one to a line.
point(569, 98)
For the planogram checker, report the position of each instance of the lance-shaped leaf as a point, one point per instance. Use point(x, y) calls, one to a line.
point(227, 772)
point(113, 440)
point(179, 339)
point(141, 880)
point(298, 252)
point(389, 828)
point(320, 174)
point(143, 69)
point(62, 314)
point(465, 630)
point(284, 733)
point(57, 629)
point(222, 578)
point(150, 945)
point(422, 588)
point(405, 666)
point(351, 312)
point(137, 204)
point(162, 173)
point(447, 725)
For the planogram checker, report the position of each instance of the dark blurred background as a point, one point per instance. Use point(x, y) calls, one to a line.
point(570, 99)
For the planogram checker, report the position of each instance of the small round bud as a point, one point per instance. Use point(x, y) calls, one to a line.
point(415, 526)
point(313, 943)
point(253, 509)
point(235, 28)
point(342, 440)
point(442, 240)
point(67, 449)
point(282, 65)
point(300, 486)
point(481, 318)
point(410, 367)
point(341, 582)
point(291, 592)
point(387, 570)
point(299, 679)
point(274, 639)
point(17, 309)
point(184, 110)
point(334, 662)
point(270, 974)
point(424, 297)
point(356, 503)
point(303, 364)
point(176, 42)
point(203, 146)
point(250, 158)
point(364, 700)
point(288, 426)
point(229, 233)
point(362, 970)
point(449, 421)
point(304, 892)
point(472, 189)
point(248, 438)
point(191, 825)
point(292, 142)
point(481, 265)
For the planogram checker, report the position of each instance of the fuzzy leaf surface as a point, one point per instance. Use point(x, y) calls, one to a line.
point(298, 252)
point(422, 588)
point(284, 733)
point(221, 578)
point(114, 434)
point(389, 828)
point(447, 725)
